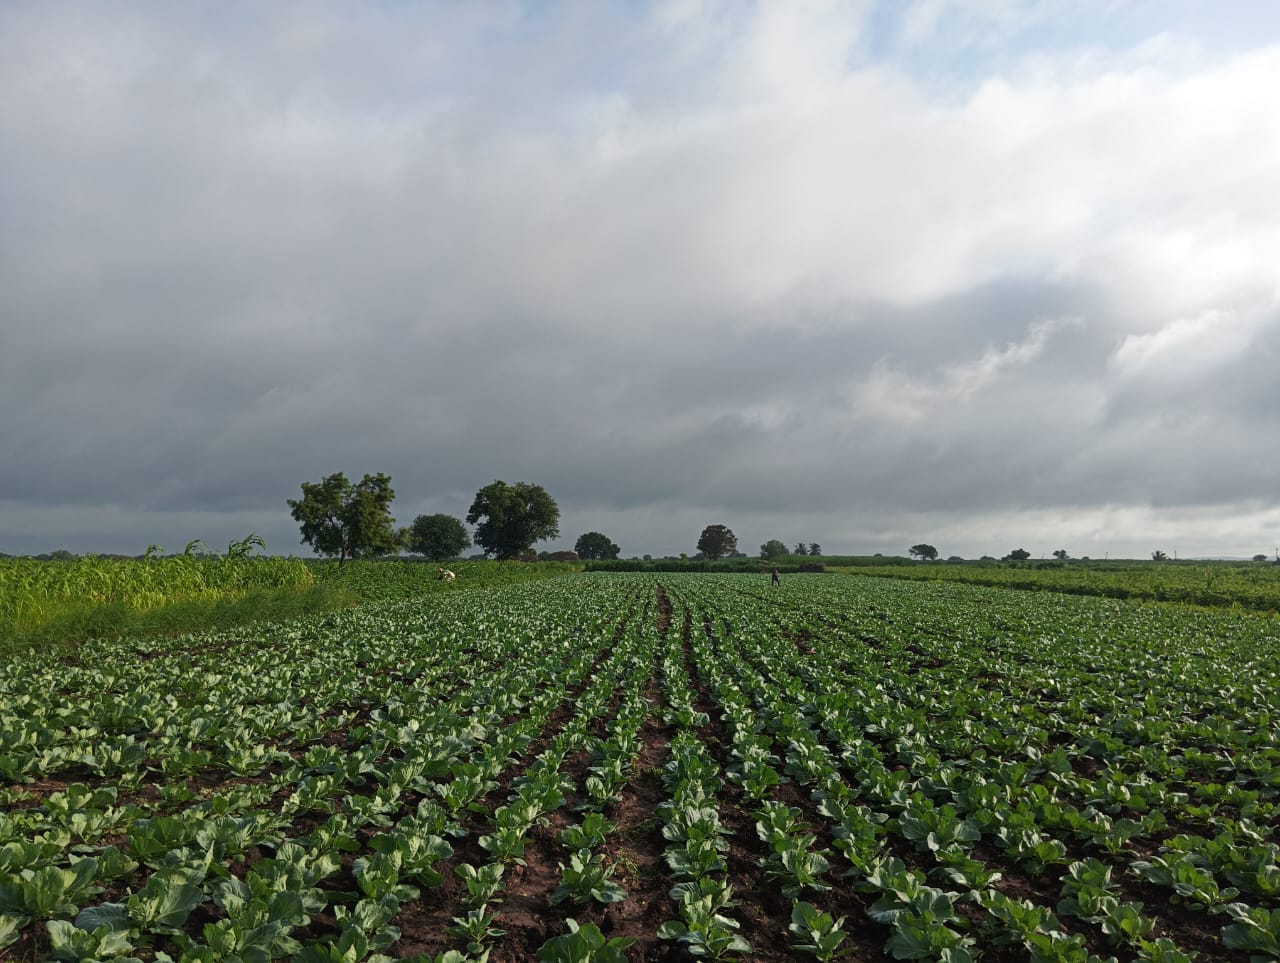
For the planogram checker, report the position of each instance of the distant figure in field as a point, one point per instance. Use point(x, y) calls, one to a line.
point(776, 579)
point(446, 575)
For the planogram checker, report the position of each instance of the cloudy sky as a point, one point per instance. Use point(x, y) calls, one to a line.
point(985, 274)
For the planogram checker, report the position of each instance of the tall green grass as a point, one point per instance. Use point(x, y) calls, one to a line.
point(117, 620)
point(54, 605)
point(96, 595)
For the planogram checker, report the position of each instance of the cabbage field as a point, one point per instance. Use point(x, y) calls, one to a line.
point(654, 767)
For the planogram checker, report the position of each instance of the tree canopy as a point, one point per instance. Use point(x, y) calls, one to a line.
point(1018, 555)
point(595, 546)
point(510, 518)
point(924, 552)
point(773, 549)
point(346, 520)
point(717, 541)
point(438, 537)
point(814, 549)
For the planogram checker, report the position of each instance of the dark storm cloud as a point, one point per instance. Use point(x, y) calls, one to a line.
point(677, 266)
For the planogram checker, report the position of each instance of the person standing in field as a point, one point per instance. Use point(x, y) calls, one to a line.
point(776, 579)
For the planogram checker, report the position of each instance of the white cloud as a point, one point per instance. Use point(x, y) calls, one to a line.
point(920, 21)
point(1116, 531)
point(705, 219)
point(903, 398)
point(1188, 347)
point(965, 21)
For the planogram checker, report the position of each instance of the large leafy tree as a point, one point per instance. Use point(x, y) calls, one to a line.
point(924, 551)
point(717, 541)
point(438, 537)
point(346, 520)
point(593, 545)
point(510, 518)
point(773, 549)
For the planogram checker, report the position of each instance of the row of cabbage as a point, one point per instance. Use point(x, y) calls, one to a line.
point(924, 772)
point(291, 795)
point(382, 580)
point(1252, 585)
point(959, 746)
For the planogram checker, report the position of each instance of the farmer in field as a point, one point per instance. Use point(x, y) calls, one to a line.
point(776, 579)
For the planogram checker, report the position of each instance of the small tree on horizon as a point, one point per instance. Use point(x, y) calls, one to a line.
point(1159, 556)
point(717, 541)
point(1018, 555)
point(595, 546)
point(924, 552)
point(800, 549)
point(350, 521)
point(514, 517)
point(438, 537)
point(814, 549)
point(1060, 554)
point(773, 549)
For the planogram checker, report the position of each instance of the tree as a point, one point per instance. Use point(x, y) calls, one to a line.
point(1260, 558)
point(1018, 555)
point(814, 549)
point(773, 549)
point(1159, 556)
point(924, 552)
point(349, 521)
point(438, 537)
point(515, 516)
point(593, 545)
point(1060, 554)
point(716, 541)
point(800, 549)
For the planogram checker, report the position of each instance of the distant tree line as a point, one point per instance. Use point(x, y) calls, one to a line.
point(338, 518)
point(353, 520)
point(346, 520)
point(776, 549)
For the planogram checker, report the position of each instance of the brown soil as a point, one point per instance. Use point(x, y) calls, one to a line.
point(665, 611)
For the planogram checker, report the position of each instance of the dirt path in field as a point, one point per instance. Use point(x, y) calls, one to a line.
point(763, 910)
point(634, 848)
point(666, 612)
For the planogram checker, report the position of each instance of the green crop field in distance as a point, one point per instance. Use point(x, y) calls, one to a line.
point(653, 765)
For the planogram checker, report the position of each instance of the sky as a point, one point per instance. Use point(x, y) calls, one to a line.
point(987, 275)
